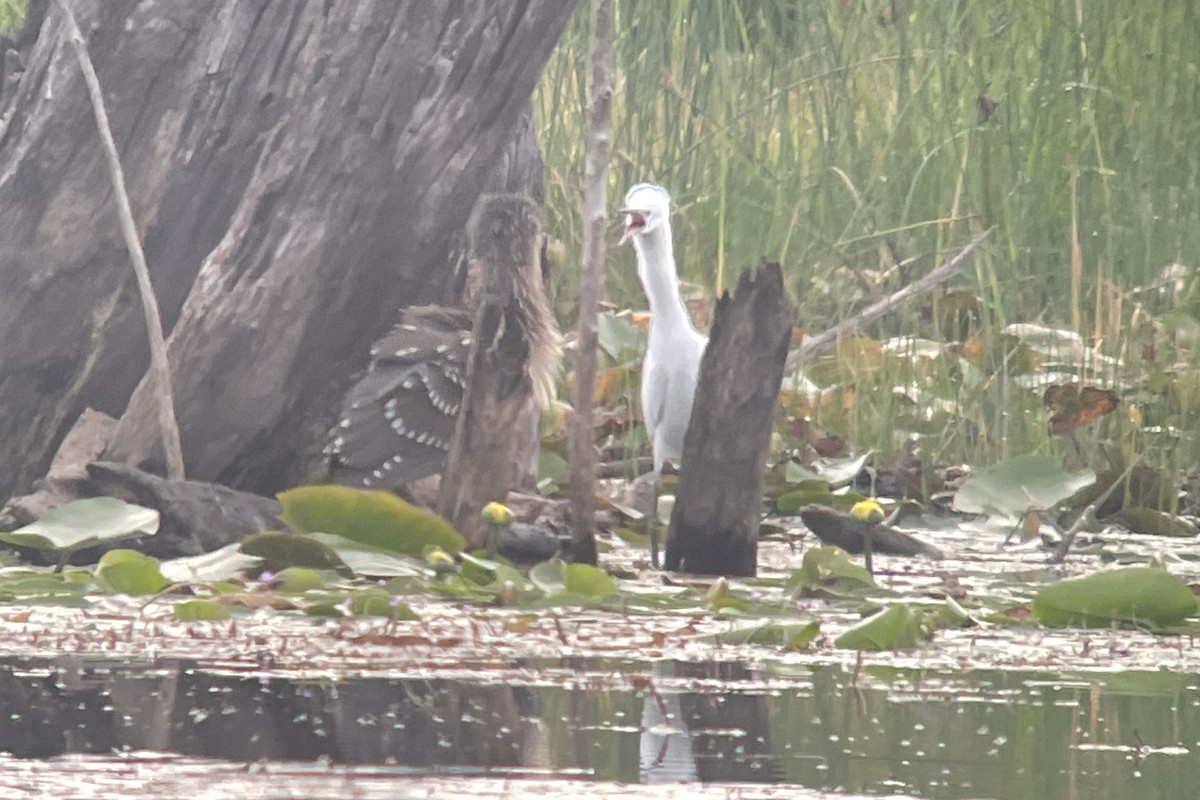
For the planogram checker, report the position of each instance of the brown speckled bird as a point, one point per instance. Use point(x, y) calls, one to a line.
point(397, 419)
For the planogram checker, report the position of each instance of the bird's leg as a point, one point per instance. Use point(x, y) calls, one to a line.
point(653, 518)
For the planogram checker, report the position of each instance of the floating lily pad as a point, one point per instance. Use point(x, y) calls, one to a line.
point(786, 635)
point(45, 588)
point(828, 568)
point(281, 550)
point(83, 523)
point(560, 580)
point(897, 627)
point(201, 611)
point(130, 572)
point(1009, 488)
point(376, 562)
point(376, 519)
point(1133, 595)
point(298, 580)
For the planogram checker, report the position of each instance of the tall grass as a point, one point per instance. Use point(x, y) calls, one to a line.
point(845, 139)
point(12, 15)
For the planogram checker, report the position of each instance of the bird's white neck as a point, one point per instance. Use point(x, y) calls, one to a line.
point(656, 269)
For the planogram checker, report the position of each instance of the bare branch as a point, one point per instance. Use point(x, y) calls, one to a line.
point(582, 449)
point(812, 345)
point(160, 372)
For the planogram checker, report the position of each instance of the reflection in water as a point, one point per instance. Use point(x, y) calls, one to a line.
point(982, 734)
point(665, 743)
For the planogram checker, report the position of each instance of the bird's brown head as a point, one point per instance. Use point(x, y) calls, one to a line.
point(647, 208)
point(505, 233)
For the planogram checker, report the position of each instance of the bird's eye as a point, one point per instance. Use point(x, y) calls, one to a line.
point(635, 220)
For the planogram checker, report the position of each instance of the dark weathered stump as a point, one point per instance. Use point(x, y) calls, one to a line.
point(511, 345)
point(836, 528)
point(196, 517)
point(714, 525)
point(298, 173)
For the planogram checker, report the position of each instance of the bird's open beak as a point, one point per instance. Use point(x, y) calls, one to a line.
point(635, 222)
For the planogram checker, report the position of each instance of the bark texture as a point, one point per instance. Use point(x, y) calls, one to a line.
point(299, 172)
point(714, 525)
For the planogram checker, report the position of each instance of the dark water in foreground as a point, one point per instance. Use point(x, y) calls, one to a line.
point(999, 734)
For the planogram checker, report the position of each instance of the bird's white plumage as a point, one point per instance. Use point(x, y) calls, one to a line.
point(672, 363)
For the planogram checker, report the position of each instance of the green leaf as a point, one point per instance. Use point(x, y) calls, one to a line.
point(796, 473)
point(297, 580)
point(376, 519)
point(130, 572)
point(619, 339)
point(895, 628)
point(787, 635)
point(375, 562)
point(549, 576)
point(281, 550)
point(828, 568)
point(376, 602)
point(201, 611)
point(839, 471)
point(553, 467)
point(44, 588)
point(589, 581)
point(1134, 595)
point(1009, 488)
point(83, 523)
point(818, 494)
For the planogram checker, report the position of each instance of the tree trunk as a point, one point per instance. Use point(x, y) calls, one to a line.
point(714, 525)
point(299, 171)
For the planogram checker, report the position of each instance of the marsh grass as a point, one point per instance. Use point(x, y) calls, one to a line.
point(858, 143)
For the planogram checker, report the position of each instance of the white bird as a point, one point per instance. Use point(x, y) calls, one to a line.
point(671, 366)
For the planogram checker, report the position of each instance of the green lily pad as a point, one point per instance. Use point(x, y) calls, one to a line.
point(200, 610)
point(577, 582)
point(130, 572)
point(281, 550)
point(1132, 595)
point(298, 580)
point(83, 523)
point(786, 635)
point(1009, 488)
point(45, 588)
point(839, 471)
point(376, 519)
point(828, 568)
point(796, 473)
point(897, 627)
point(588, 581)
point(791, 502)
point(376, 562)
point(376, 602)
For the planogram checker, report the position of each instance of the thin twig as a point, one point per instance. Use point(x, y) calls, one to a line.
point(813, 344)
point(160, 369)
point(595, 180)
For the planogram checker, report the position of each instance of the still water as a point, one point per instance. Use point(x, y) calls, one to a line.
point(978, 734)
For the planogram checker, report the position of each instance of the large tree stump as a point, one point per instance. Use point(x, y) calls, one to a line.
point(714, 525)
point(298, 171)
